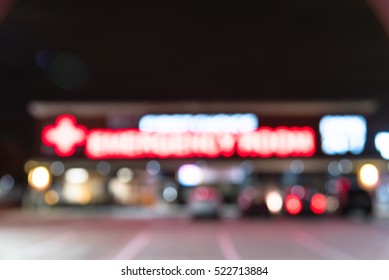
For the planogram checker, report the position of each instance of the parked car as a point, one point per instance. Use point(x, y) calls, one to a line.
point(205, 202)
point(252, 202)
point(353, 199)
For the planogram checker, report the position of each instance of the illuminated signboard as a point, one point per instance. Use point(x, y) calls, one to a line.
point(280, 142)
point(234, 123)
point(133, 143)
point(343, 133)
point(65, 135)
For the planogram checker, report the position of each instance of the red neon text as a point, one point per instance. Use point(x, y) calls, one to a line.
point(280, 142)
point(265, 142)
point(137, 144)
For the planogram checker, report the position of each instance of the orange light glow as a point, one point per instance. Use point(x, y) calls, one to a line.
point(318, 203)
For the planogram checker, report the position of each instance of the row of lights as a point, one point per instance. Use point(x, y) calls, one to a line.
point(39, 178)
point(368, 174)
point(188, 175)
point(319, 203)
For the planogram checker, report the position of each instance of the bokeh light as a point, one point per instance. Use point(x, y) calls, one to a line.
point(153, 167)
point(125, 175)
point(75, 193)
point(345, 166)
point(7, 182)
point(39, 178)
point(297, 166)
point(30, 164)
point(76, 175)
point(43, 58)
point(170, 193)
point(57, 168)
point(293, 204)
point(51, 197)
point(368, 176)
point(189, 175)
point(318, 203)
point(274, 202)
point(103, 168)
point(68, 71)
point(332, 204)
point(333, 168)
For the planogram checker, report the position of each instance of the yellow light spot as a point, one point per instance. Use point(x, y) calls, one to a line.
point(51, 197)
point(368, 176)
point(30, 165)
point(39, 178)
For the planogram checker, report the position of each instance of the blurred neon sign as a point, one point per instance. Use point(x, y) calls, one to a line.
point(133, 143)
point(234, 123)
point(280, 142)
point(65, 135)
point(343, 133)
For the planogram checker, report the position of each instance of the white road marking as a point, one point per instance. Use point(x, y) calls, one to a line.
point(227, 246)
point(319, 247)
point(134, 246)
point(43, 248)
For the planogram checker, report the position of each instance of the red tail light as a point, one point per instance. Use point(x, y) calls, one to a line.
point(293, 204)
point(318, 203)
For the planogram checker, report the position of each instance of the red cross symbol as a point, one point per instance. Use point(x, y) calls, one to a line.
point(65, 135)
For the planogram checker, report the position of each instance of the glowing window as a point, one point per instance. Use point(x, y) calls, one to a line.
point(342, 134)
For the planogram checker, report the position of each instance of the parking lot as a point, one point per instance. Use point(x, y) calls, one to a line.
point(25, 235)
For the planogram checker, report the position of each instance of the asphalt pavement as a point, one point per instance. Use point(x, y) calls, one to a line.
point(115, 235)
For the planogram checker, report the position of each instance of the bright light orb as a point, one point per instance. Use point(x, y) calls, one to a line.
point(274, 202)
point(293, 204)
point(190, 175)
point(318, 203)
point(76, 175)
point(39, 178)
point(51, 197)
point(368, 176)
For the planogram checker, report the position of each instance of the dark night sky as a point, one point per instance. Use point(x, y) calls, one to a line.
point(152, 50)
point(191, 50)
